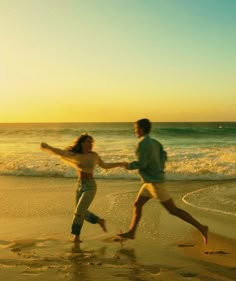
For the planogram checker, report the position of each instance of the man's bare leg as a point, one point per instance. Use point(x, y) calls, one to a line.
point(174, 210)
point(136, 216)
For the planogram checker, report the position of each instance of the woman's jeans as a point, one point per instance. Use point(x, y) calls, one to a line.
point(85, 193)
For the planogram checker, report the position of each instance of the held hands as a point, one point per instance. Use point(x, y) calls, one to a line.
point(125, 165)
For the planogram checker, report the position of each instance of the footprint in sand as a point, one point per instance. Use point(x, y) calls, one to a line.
point(186, 245)
point(16, 250)
point(188, 274)
point(31, 272)
point(216, 253)
point(4, 243)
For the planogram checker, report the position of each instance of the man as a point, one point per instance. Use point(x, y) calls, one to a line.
point(150, 164)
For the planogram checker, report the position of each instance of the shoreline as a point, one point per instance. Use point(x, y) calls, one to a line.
point(39, 246)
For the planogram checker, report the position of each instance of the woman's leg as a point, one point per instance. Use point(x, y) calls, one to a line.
point(85, 198)
point(94, 219)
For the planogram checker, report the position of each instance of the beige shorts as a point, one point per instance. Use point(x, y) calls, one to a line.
point(154, 190)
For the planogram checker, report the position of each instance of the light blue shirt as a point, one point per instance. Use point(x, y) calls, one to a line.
point(148, 153)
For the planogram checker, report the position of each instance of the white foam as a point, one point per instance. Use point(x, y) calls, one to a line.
point(217, 198)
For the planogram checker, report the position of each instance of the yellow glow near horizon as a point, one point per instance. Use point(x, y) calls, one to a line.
point(88, 62)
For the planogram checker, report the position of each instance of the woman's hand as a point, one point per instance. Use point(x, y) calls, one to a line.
point(44, 145)
point(124, 165)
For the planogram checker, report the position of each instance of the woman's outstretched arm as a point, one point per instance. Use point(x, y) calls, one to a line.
point(65, 154)
point(54, 150)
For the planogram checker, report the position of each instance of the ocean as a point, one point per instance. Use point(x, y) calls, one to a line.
point(196, 152)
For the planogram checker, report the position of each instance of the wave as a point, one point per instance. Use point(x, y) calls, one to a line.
point(196, 151)
point(199, 131)
point(61, 170)
point(203, 163)
point(217, 198)
point(182, 130)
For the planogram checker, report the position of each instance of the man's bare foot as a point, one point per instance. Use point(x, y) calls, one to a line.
point(204, 232)
point(77, 239)
point(102, 223)
point(126, 235)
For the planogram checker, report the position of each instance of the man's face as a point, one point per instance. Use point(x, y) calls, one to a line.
point(138, 131)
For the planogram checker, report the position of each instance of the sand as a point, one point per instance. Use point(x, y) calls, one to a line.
point(39, 246)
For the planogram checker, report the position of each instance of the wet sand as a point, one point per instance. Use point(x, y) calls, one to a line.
point(35, 240)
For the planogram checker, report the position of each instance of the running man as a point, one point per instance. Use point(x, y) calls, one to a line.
point(150, 164)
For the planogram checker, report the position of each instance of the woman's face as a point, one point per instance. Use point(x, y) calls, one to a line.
point(87, 145)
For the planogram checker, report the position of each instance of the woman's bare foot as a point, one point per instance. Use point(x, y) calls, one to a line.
point(102, 223)
point(77, 239)
point(204, 232)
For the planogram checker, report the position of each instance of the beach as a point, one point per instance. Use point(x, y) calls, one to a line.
point(36, 244)
point(113, 93)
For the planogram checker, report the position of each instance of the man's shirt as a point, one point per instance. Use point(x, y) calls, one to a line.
point(148, 153)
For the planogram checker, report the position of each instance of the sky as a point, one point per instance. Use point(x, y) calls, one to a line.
point(117, 60)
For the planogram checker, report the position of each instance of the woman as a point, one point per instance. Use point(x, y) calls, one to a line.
point(80, 154)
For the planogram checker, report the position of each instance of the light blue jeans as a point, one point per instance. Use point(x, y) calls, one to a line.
point(85, 193)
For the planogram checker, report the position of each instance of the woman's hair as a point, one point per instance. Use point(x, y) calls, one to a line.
point(145, 124)
point(76, 147)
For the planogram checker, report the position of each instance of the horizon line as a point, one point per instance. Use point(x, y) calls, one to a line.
point(77, 122)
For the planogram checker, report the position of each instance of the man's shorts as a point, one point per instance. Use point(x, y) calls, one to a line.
point(154, 190)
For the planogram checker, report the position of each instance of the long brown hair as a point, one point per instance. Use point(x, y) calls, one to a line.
point(76, 147)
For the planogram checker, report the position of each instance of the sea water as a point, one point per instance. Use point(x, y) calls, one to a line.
point(196, 151)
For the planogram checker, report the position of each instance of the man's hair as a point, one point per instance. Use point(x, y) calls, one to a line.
point(145, 124)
